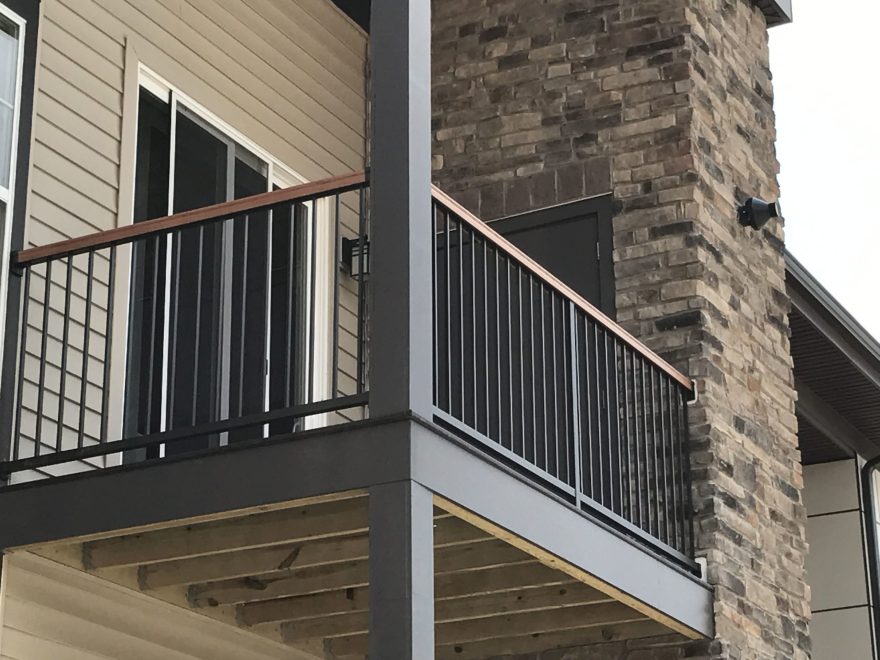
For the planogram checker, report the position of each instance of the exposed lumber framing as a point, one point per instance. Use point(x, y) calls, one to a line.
point(308, 523)
point(300, 574)
point(555, 562)
point(519, 644)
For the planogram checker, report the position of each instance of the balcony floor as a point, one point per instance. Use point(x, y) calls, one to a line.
point(272, 539)
point(299, 575)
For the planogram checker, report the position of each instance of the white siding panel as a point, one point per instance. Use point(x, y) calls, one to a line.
point(52, 611)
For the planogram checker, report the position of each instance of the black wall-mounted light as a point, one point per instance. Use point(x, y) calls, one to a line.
point(356, 256)
point(756, 213)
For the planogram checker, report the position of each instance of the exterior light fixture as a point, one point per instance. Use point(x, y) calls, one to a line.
point(756, 213)
point(356, 256)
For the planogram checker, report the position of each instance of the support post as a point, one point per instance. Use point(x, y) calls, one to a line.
point(400, 187)
point(401, 572)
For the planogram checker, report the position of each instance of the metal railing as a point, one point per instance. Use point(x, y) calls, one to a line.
point(207, 328)
point(546, 381)
point(227, 323)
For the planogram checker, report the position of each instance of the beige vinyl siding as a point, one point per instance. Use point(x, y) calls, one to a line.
point(53, 612)
point(289, 75)
point(837, 562)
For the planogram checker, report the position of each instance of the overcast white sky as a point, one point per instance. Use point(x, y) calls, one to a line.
point(826, 74)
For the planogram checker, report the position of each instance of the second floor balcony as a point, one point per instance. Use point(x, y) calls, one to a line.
point(250, 322)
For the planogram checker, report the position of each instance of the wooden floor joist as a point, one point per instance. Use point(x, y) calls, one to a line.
point(447, 611)
point(300, 574)
point(296, 525)
point(458, 633)
point(551, 641)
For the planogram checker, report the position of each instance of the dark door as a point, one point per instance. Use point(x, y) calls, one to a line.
point(212, 305)
point(572, 241)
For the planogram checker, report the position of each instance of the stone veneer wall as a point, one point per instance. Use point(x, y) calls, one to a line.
point(667, 103)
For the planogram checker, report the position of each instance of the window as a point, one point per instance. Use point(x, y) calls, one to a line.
point(11, 62)
point(210, 305)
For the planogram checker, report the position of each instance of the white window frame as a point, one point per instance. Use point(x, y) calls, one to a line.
point(281, 175)
point(7, 195)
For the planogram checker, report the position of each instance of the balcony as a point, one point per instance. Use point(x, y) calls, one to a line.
point(188, 360)
point(218, 362)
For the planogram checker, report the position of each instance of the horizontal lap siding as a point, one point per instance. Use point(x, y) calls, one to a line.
point(52, 612)
point(288, 74)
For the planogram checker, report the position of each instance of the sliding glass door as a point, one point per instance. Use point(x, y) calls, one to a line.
point(213, 306)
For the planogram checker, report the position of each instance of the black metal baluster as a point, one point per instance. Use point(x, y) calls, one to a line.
point(644, 410)
point(533, 367)
point(509, 291)
point(486, 337)
point(655, 455)
point(41, 387)
point(684, 426)
point(599, 418)
point(543, 378)
point(588, 405)
point(473, 305)
point(630, 514)
point(80, 440)
point(448, 372)
point(463, 398)
point(636, 437)
point(108, 343)
point(242, 323)
point(65, 340)
point(498, 367)
point(198, 329)
point(568, 391)
point(337, 260)
point(291, 214)
point(554, 419)
point(363, 267)
point(668, 507)
point(22, 358)
point(614, 472)
point(435, 300)
point(173, 329)
point(621, 467)
point(313, 276)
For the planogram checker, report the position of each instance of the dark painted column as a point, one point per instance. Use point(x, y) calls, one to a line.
point(401, 572)
point(400, 278)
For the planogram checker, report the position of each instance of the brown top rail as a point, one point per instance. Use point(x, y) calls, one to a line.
point(551, 280)
point(337, 184)
point(127, 233)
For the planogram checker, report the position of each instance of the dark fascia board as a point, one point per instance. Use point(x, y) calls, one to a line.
point(818, 305)
point(778, 12)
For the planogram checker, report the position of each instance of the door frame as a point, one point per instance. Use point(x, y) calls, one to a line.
point(140, 76)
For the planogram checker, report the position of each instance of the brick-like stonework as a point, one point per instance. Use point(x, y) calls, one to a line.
point(668, 104)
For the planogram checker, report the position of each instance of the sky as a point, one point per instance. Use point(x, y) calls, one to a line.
point(826, 69)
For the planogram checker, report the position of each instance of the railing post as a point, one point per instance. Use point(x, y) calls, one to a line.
point(12, 334)
point(401, 572)
point(401, 334)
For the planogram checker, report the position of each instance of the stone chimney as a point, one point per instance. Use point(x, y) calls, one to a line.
point(668, 105)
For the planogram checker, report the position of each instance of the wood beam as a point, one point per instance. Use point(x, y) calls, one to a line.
point(296, 525)
point(252, 562)
point(458, 633)
point(525, 644)
point(451, 609)
point(302, 582)
point(450, 534)
point(355, 574)
point(458, 609)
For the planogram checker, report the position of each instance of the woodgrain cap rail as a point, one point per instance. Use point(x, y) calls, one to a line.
point(554, 282)
point(128, 233)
